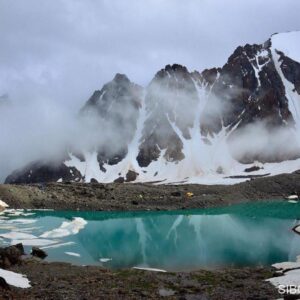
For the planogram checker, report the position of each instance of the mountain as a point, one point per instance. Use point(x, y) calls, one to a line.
point(210, 127)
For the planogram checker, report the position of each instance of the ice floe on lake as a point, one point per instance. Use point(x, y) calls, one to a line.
point(66, 228)
point(73, 254)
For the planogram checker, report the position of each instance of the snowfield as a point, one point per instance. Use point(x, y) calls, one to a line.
point(288, 43)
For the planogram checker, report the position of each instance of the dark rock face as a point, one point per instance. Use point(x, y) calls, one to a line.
point(171, 98)
point(247, 90)
point(40, 172)
point(291, 70)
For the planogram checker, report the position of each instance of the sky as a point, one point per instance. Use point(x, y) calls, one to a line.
point(61, 51)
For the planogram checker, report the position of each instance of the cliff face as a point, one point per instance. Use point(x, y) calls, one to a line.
point(189, 124)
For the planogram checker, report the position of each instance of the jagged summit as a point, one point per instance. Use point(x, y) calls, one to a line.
point(121, 78)
point(119, 90)
point(196, 126)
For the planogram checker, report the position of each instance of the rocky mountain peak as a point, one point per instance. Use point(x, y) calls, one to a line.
point(188, 123)
point(121, 78)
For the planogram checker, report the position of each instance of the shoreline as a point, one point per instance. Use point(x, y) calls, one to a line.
point(64, 281)
point(145, 197)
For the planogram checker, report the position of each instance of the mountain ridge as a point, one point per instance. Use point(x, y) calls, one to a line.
point(188, 125)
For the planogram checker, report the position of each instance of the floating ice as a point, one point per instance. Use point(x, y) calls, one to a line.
point(292, 197)
point(58, 245)
point(14, 235)
point(104, 260)
point(73, 254)
point(34, 242)
point(66, 228)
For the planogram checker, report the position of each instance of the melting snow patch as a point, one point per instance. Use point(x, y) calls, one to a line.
point(15, 279)
point(288, 265)
point(149, 269)
point(292, 197)
point(288, 279)
point(104, 260)
point(73, 254)
point(66, 228)
point(3, 204)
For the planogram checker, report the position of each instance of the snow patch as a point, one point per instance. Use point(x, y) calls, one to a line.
point(288, 43)
point(289, 278)
point(3, 204)
point(15, 279)
point(104, 260)
point(149, 269)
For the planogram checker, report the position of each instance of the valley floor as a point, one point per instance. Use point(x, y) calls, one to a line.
point(131, 197)
point(64, 281)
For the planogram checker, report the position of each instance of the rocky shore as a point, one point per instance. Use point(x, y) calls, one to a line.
point(137, 196)
point(65, 281)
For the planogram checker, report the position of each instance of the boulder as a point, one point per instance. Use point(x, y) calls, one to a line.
point(11, 255)
point(37, 252)
point(119, 180)
point(131, 176)
point(252, 169)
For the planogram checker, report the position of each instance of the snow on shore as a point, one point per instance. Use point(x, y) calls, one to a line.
point(15, 279)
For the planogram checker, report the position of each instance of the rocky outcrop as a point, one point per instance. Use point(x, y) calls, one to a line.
point(38, 172)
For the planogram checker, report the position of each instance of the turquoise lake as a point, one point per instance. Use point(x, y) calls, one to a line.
point(239, 235)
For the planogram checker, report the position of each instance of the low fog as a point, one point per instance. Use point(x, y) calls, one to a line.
point(41, 130)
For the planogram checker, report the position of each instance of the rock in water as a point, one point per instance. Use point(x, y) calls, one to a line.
point(38, 252)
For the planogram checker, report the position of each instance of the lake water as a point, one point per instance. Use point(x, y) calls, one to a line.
point(248, 234)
